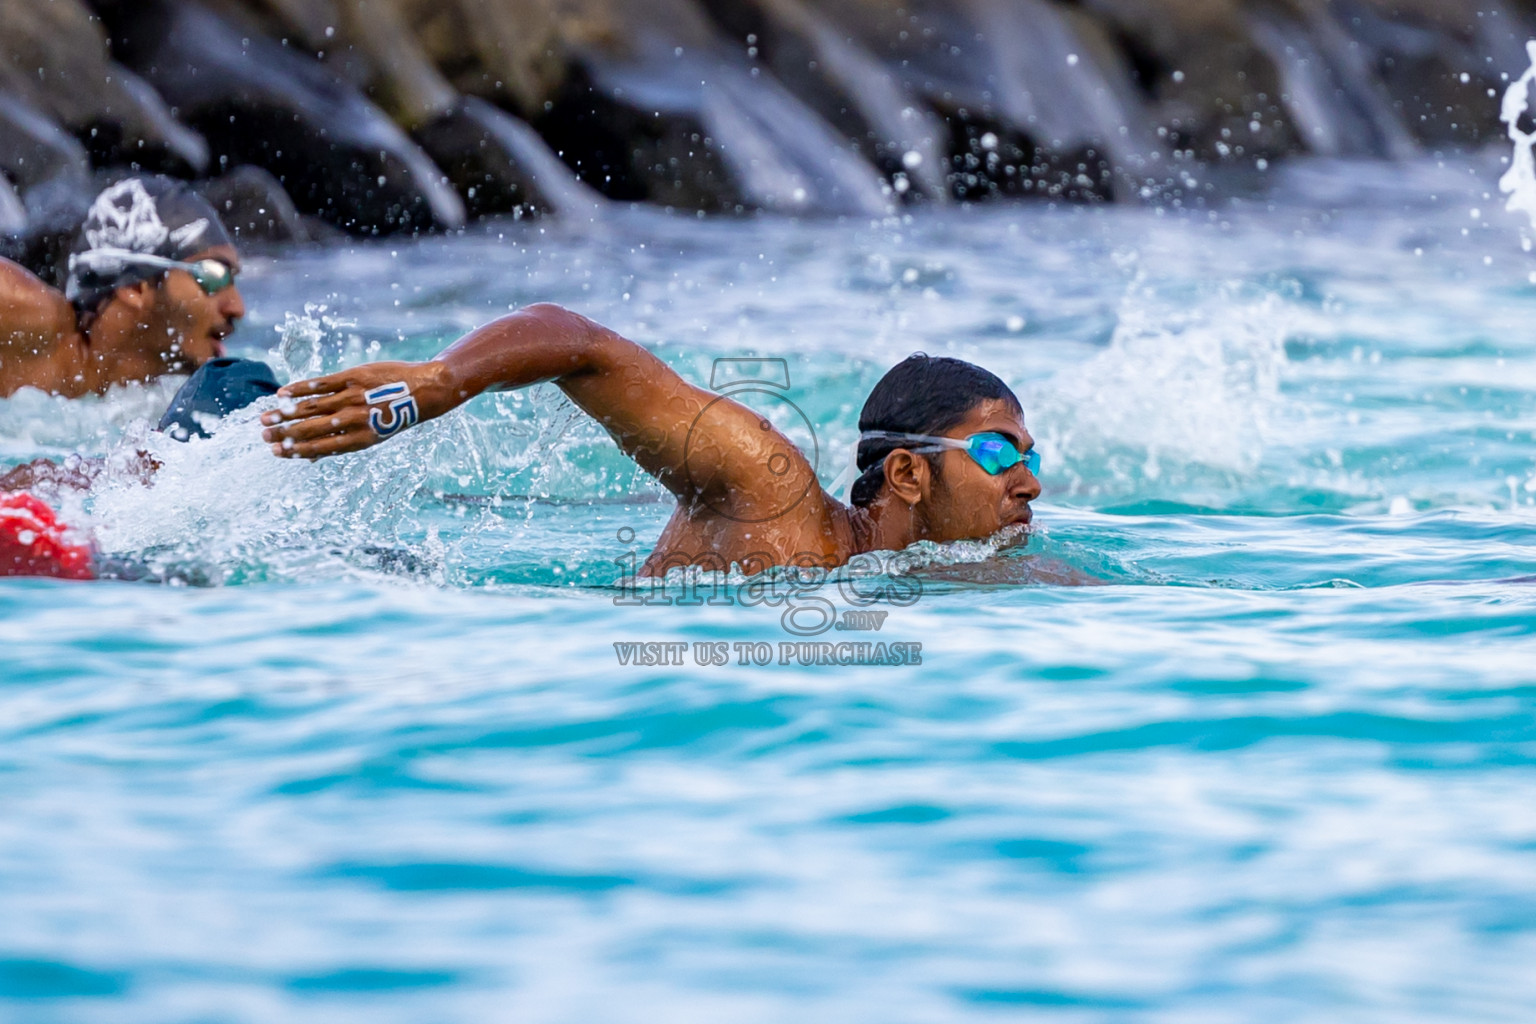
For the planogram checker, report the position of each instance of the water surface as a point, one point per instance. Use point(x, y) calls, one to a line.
point(368, 751)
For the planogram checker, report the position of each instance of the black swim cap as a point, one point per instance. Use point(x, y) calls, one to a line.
point(922, 394)
point(218, 388)
point(145, 215)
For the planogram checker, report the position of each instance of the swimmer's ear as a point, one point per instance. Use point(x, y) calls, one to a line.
point(907, 475)
point(138, 296)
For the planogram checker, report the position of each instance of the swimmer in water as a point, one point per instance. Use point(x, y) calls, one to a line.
point(943, 453)
point(35, 542)
point(151, 291)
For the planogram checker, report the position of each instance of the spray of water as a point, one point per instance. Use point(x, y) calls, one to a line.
point(1185, 391)
point(305, 340)
point(1519, 182)
point(34, 424)
point(223, 509)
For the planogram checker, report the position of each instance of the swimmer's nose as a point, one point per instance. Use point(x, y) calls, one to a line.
point(1026, 487)
point(231, 304)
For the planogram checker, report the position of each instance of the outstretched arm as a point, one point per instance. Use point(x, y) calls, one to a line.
point(698, 444)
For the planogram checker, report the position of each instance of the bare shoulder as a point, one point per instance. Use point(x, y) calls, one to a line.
point(809, 529)
point(30, 311)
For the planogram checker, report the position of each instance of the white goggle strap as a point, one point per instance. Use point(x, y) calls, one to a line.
point(91, 257)
point(933, 443)
point(842, 487)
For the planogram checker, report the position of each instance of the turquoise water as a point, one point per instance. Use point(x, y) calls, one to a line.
point(361, 746)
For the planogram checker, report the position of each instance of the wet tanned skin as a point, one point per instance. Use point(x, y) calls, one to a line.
point(961, 501)
point(144, 331)
point(745, 493)
point(196, 322)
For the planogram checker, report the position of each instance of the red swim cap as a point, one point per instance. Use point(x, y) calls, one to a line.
point(34, 543)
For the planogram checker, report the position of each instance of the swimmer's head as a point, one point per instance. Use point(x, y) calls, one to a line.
point(948, 491)
point(153, 259)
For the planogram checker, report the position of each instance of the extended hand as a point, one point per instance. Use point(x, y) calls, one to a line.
point(356, 408)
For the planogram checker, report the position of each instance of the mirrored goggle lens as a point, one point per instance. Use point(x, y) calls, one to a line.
point(212, 276)
point(995, 453)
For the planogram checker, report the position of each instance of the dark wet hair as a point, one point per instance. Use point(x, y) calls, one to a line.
point(922, 394)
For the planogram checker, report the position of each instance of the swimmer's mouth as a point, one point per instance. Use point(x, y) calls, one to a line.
point(1014, 534)
point(1022, 519)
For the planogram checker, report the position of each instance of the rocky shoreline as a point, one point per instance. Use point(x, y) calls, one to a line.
point(305, 117)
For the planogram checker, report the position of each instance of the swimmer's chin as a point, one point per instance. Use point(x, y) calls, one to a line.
point(1014, 535)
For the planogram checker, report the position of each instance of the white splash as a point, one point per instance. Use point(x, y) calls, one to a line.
point(1519, 182)
point(33, 423)
point(302, 342)
point(227, 505)
point(1184, 390)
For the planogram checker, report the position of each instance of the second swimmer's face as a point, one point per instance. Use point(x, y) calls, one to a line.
point(196, 323)
point(964, 501)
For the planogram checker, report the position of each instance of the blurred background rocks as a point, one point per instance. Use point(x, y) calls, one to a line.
point(304, 118)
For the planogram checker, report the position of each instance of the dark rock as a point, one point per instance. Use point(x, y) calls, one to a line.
point(1335, 101)
point(1206, 81)
point(323, 232)
point(254, 207)
point(364, 42)
point(512, 53)
point(847, 85)
point(258, 102)
point(36, 149)
point(501, 165)
point(57, 54)
point(370, 44)
point(1436, 62)
point(55, 211)
point(1038, 99)
point(665, 109)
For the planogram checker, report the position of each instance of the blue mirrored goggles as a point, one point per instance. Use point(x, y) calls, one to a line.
point(993, 452)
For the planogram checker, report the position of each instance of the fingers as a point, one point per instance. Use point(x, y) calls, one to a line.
point(359, 377)
point(331, 444)
point(323, 406)
point(341, 422)
point(318, 386)
point(330, 415)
